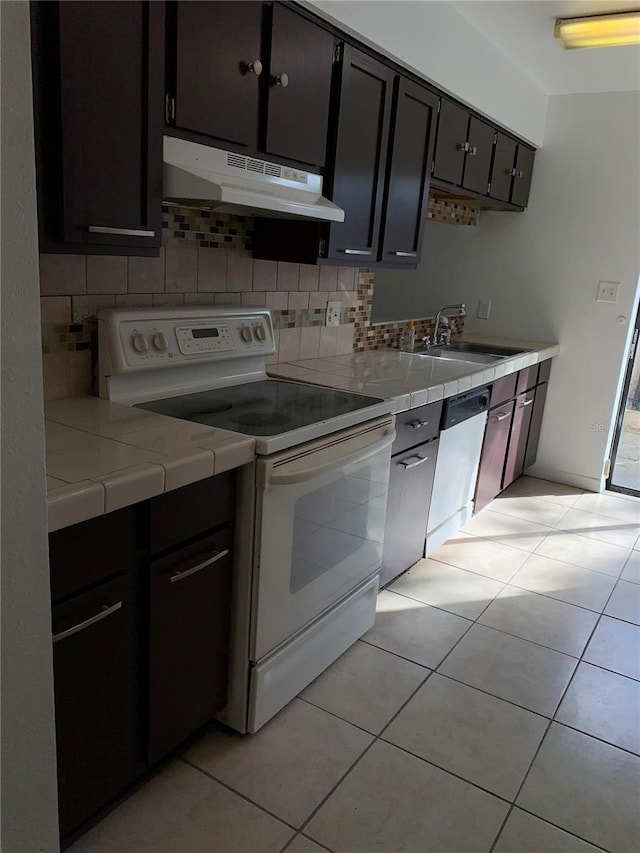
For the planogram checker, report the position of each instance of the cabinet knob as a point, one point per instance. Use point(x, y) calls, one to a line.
point(472, 151)
point(519, 174)
point(280, 80)
point(510, 172)
point(254, 67)
point(462, 146)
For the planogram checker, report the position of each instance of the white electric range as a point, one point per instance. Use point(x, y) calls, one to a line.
point(311, 509)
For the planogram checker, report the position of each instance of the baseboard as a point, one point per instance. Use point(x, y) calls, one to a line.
point(567, 478)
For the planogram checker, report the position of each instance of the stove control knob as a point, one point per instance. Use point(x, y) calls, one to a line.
point(159, 341)
point(245, 334)
point(259, 333)
point(139, 342)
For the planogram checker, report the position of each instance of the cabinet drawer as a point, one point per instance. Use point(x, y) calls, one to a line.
point(503, 389)
point(89, 552)
point(192, 511)
point(96, 699)
point(416, 426)
point(527, 378)
point(189, 614)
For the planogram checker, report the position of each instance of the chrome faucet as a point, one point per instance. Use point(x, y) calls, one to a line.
point(445, 337)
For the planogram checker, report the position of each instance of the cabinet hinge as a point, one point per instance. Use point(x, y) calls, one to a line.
point(337, 53)
point(495, 138)
point(169, 109)
point(488, 187)
point(433, 166)
point(439, 105)
point(322, 248)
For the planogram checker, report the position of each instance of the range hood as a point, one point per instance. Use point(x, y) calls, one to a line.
point(196, 175)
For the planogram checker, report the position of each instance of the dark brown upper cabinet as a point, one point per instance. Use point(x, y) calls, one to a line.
point(464, 148)
point(98, 94)
point(360, 156)
point(298, 113)
point(477, 163)
point(451, 142)
point(411, 145)
point(512, 171)
point(252, 75)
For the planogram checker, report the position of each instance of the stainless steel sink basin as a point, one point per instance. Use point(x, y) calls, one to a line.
point(472, 353)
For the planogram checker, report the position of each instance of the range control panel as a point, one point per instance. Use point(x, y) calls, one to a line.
point(167, 337)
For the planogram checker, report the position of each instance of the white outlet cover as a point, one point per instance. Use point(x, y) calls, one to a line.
point(608, 291)
point(484, 309)
point(333, 313)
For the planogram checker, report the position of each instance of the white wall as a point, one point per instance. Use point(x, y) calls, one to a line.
point(438, 42)
point(540, 269)
point(29, 821)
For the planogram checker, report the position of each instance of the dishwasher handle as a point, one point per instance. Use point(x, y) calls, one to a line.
point(303, 475)
point(413, 461)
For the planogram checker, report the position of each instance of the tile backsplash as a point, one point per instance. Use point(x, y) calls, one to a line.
point(206, 259)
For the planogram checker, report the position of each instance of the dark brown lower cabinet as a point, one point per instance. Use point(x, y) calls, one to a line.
point(494, 451)
point(410, 485)
point(190, 595)
point(95, 665)
point(536, 425)
point(514, 465)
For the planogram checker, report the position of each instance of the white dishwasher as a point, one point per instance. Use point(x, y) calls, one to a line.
point(462, 432)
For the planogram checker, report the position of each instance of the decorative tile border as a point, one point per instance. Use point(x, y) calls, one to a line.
point(206, 228)
point(308, 317)
point(452, 212)
point(69, 337)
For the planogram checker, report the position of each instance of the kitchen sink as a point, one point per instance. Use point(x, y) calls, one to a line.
point(473, 353)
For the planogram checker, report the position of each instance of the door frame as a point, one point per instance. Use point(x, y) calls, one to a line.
point(628, 370)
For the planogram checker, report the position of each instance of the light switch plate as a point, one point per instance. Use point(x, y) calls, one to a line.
point(333, 313)
point(484, 309)
point(607, 291)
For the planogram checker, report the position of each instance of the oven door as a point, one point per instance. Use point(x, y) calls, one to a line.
point(320, 516)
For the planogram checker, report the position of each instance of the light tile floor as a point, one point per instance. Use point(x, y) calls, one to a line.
point(495, 706)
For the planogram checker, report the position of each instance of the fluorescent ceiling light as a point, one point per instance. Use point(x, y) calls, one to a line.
point(599, 31)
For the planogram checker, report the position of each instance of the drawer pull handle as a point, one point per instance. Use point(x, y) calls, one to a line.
point(92, 620)
point(417, 460)
point(525, 404)
point(125, 232)
point(356, 251)
point(502, 415)
point(419, 424)
point(178, 576)
point(404, 254)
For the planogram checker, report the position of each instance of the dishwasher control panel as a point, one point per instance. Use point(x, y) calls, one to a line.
point(465, 406)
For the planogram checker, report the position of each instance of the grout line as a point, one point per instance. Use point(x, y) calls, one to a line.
point(568, 831)
point(234, 791)
point(597, 737)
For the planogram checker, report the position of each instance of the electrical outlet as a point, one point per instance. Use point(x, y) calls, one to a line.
point(333, 313)
point(607, 291)
point(484, 309)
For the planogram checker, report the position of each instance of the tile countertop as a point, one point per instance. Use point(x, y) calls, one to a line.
point(103, 456)
point(412, 380)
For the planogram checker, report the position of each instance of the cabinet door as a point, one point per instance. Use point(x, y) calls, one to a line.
point(494, 453)
point(524, 173)
point(503, 167)
point(536, 425)
point(477, 164)
point(360, 156)
point(189, 612)
point(96, 704)
point(111, 122)
point(412, 140)
point(451, 139)
point(298, 112)
point(217, 87)
point(514, 465)
point(410, 484)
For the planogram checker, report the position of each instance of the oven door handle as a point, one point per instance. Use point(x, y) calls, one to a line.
point(302, 476)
